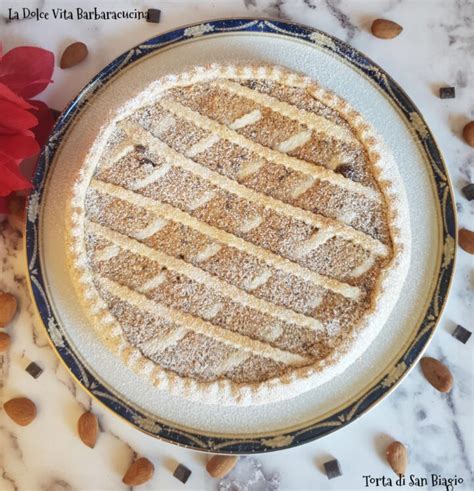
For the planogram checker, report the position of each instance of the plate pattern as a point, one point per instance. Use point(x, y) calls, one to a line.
point(393, 374)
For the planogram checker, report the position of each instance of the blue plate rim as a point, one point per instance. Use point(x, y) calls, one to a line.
point(222, 444)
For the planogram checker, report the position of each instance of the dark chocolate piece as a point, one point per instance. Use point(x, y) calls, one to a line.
point(145, 161)
point(34, 370)
point(333, 469)
point(447, 92)
point(182, 473)
point(468, 191)
point(345, 170)
point(462, 334)
point(140, 148)
point(153, 15)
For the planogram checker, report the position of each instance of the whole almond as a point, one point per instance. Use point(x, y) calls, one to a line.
point(466, 240)
point(385, 29)
point(468, 133)
point(21, 410)
point(397, 457)
point(8, 306)
point(88, 429)
point(220, 465)
point(73, 54)
point(437, 374)
point(5, 341)
point(139, 472)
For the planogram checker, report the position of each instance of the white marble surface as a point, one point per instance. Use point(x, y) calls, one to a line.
point(435, 48)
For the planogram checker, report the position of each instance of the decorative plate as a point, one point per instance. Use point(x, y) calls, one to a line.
point(410, 326)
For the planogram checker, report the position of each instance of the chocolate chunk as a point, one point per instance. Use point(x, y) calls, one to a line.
point(333, 469)
point(447, 92)
point(140, 148)
point(145, 161)
point(252, 84)
point(468, 191)
point(462, 334)
point(345, 170)
point(34, 370)
point(153, 15)
point(182, 473)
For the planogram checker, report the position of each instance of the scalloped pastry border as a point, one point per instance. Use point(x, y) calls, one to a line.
point(299, 380)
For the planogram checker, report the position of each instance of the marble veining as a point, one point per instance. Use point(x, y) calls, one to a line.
point(436, 48)
point(342, 18)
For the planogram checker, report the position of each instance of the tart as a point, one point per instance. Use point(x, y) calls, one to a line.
point(238, 234)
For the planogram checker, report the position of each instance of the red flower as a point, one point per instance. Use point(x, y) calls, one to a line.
point(24, 124)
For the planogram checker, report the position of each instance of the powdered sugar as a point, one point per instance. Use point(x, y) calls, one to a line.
point(267, 392)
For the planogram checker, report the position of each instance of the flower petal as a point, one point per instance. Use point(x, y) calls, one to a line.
point(5, 159)
point(19, 145)
point(7, 94)
point(6, 131)
point(27, 70)
point(15, 118)
point(45, 122)
point(11, 178)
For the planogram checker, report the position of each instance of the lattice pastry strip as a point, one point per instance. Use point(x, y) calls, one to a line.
point(240, 232)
